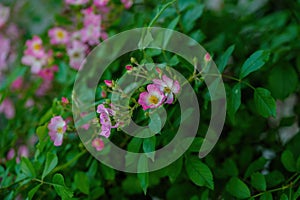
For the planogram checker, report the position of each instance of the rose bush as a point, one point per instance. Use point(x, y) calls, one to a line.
point(255, 45)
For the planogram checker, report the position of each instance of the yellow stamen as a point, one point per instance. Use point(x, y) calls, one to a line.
point(37, 47)
point(167, 90)
point(153, 99)
point(59, 130)
point(60, 34)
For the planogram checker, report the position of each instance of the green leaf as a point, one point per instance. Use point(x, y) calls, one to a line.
point(296, 195)
point(173, 170)
point(149, 147)
point(131, 185)
point(60, 187)
point(82, 182)
point(255, 166)
point(32, 192)
point(27, 167)
point(225, 57)
point(283, 81)
point(288, 161)
point(274, 178)
point(155, 122)
point(199, 172)
point(234, 100)
point(266, 196)
point(264, 102)
point(258, 181)
point(254, 62)
point(107, 172)
point(42, 133)
point(191, 16)
point(298, 164)
point(143, 177)
point(51, 162)
point(284, 197)
point(238, 188)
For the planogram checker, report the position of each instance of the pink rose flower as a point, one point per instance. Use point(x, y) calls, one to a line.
point(4, 51)
point(58, 36)
point(76, 2)
point(153, 98)
point(17, 84)
point(127, 3)
point(7, 107)
point(168, 87)
point(36, 64)
point(98, 144)
point(90, 34)
point(100, 3)
point(11, 154)
point(57, 127)
point(105, 121)
point(76, 53)
point(35, 47)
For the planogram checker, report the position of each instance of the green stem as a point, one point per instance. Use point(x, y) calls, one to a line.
point(288, 186)
point(61, 167)
point(160, 12)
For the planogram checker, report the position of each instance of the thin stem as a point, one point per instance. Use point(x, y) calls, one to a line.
point(61, 167)
point(160, 12)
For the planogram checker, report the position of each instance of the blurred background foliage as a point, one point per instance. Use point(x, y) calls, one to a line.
point(256, 157)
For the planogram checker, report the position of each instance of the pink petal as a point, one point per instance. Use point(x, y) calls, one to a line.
point(168, 81)
point(58, 140)
point(176, 87)
point(170, 99)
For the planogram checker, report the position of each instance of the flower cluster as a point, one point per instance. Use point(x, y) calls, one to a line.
point(105, 115)
point(161, 91)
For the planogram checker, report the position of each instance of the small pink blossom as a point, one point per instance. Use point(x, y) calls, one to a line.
point(17, 84)
point(128, 67)
point(58, 36)
point(11, 154)
point(100, 3)
point(22, 152)
point(153, 98)
point(29, 103)
point(105, 121)
point(76, 2)
point(168, 87)
point(103, 94)
point(127, 3)
point(48, 73)
point(57, 127)
point(4, 51)
point(44, 88)
point(207, 57)
point(109, 83)
point(7, 107)
point(90, 34)
point(87, 125)
point(4, 14)
point(90, 18)
point(76, 53)
point(35, 47)
point(158, 70)
point(65, 100)
point(98, 144)
point(36, 64)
